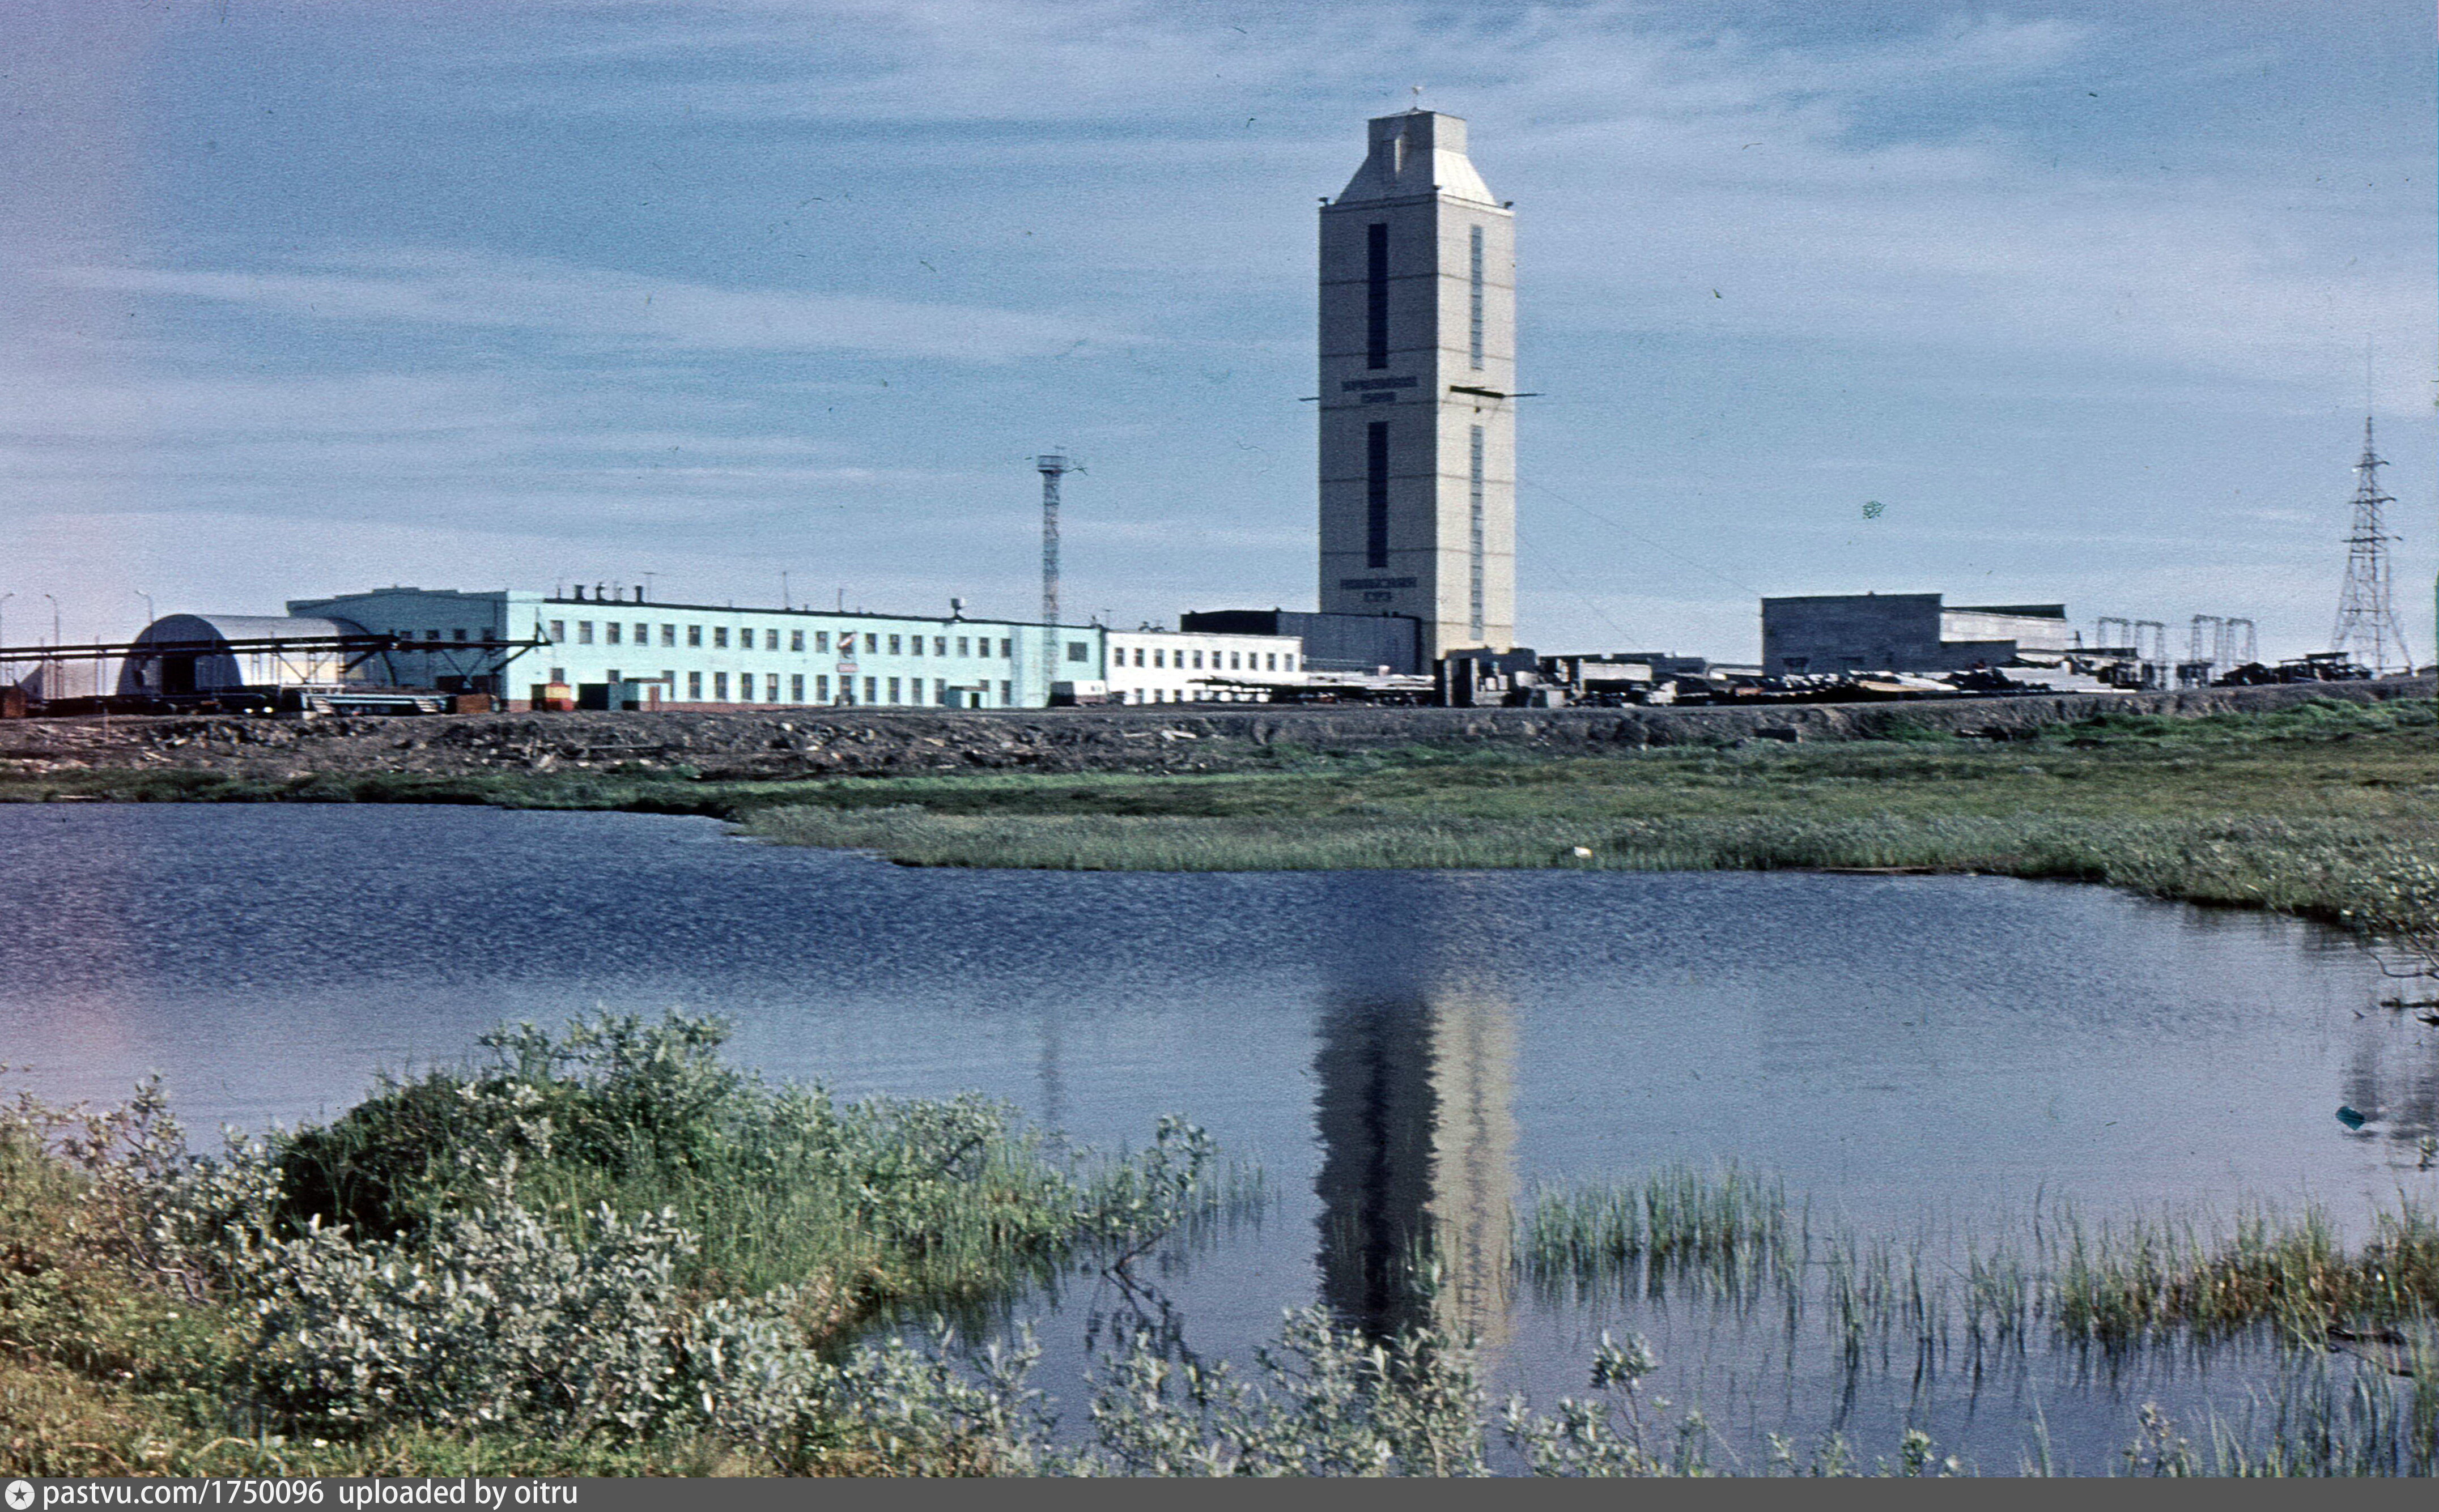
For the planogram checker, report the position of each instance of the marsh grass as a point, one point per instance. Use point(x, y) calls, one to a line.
point(2115, 1284)
point(1725, 1229)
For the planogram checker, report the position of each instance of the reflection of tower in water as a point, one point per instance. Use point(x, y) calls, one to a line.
point(1418, 1170)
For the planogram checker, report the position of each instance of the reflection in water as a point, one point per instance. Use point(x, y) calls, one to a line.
point(1414, 1115)
point(2395, 1087)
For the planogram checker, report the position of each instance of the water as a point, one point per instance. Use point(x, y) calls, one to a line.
point(1914, 1054)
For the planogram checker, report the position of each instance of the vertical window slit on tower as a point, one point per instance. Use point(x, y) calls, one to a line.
point(1376, 288)
point(1474, 618)
point(1375, 495)
point(1476, 241)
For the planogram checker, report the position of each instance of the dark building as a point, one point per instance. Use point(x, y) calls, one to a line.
point(1902, 633)
point(1333, 643)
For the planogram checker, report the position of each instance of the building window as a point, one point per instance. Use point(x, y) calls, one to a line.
point(1138, 656)
point(559, 674)
point(694, 687)
point(893, 650)
point(820, 640)
point(694, 635)
point(1159, 658)
point(1376, 295)
point(797, 686)
point(1474, 511)
point(1273, 661)
point(1291, 659)
point(670, 680)
point(720, 686)
point(1375, 495)
point(1475, 239)
point(872, 690)
point(643, 634)
point(771, 687)
point(433, 634)
point(559, 629)
point(893, 690)
point(965, 645)
point(611, 676)
point(612, 632)
point(1004, 654)
point(939, 646)
point(583, 632)
point(822, 689)
point(1003, 698)
point(1233, 662)
point(720, 636)
point(917, 649)
point(668, 635)
point(457, 634)
point(796, 643)
point(1079, 650)
point(1198, 660)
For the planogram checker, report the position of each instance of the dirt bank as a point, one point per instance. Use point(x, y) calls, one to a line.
point(789, 743)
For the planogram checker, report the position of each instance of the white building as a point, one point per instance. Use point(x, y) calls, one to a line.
point(1184, 666)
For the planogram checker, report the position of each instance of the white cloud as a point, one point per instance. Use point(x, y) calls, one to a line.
point(606, 308)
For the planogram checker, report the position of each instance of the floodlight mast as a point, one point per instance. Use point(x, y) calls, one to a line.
point(1052, 466)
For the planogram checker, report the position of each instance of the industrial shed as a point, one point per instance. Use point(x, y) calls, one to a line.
point(229, 653)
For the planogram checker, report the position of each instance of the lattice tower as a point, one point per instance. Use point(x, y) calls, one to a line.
point(2367, 624)
point(1052, 466)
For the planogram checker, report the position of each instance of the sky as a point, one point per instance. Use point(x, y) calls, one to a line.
point(745, 298)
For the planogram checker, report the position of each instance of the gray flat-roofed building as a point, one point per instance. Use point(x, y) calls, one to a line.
point(1902, 633)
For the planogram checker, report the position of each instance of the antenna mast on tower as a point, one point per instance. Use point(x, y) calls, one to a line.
point(2367, 623)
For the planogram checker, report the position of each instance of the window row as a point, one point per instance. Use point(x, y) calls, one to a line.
point(618, 632)
point(902, 690)
point(1238, 661)
point(875, 689)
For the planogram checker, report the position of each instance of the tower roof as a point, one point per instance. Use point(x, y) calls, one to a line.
point(1416, 152)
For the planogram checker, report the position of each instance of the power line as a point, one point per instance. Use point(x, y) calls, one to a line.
point(1624, 529)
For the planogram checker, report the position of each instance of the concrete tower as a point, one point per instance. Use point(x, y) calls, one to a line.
point(1417, 377)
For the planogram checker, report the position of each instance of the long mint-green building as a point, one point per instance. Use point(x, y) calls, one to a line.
point(708, 656)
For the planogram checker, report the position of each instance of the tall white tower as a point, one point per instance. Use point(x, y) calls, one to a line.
point(1417, 385)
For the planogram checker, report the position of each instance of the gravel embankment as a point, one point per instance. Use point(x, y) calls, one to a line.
point(802, 742)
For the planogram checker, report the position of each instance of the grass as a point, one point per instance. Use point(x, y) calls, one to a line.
point(2116, 1282)
point(2326, 808)
point(859, 1207)
point(122, 1354)
point(148, 1301)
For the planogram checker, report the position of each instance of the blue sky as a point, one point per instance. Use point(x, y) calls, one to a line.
point(300, 298)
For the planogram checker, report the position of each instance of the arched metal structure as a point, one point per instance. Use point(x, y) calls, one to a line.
point(180, 654)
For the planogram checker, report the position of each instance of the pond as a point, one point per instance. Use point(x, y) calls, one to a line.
point(1935, 1060)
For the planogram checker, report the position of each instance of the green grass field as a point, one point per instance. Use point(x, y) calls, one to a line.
point(2328, 809)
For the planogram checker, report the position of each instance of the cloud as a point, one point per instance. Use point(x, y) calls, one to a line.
point(606, 309)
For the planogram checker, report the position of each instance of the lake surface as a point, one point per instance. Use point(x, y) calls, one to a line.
point(1912, 1055)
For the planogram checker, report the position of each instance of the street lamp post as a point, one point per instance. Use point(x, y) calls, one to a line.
point(149, 615)
point(51, 670)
